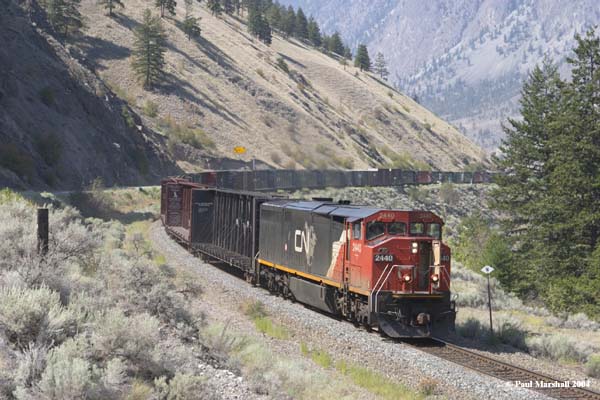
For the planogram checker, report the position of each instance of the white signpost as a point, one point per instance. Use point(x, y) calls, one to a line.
point(488, 270)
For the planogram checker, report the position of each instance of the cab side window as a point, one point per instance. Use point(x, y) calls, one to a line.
point(397, 228)
point(374, 229)
point(356, 231)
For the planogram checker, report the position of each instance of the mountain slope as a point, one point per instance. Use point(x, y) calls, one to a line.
point(230, 90)
point(59, 125)
point(465, 59)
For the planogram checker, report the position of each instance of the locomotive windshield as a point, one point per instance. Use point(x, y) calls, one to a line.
point(433, 230)
point(397, 228)
point(417, 228)
point(374, 229)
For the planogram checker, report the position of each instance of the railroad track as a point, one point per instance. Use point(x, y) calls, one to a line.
point(501, 370)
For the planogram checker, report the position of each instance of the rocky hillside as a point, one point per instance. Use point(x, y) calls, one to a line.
point(466, 59)
point(288, 104)
point(60, 126)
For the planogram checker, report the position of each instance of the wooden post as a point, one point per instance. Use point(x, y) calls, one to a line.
point(42, 231)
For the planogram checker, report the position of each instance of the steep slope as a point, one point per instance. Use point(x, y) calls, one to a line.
point(59, 125)
point(228, 89)
point(465, 59)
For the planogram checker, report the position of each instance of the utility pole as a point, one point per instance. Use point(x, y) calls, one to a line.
point(488, 270)
point(42, 231)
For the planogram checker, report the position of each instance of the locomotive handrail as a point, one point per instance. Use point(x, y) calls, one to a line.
point(380, 283)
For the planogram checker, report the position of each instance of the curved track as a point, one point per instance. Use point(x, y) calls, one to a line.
point(498, 369)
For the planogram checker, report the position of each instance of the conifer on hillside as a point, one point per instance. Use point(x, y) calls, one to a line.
point(335, 44)
point(314, 33)
point(301, 26)
point(168, 5)
point(380, 67)
point(215, 7)
point(191, 26)
point(111, 4)
point(362, 59)
point(149, 48)
point(64, 16)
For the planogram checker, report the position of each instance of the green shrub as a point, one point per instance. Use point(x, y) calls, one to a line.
point(182, 387)
point(428, 386)
point(558, 347)
point(34, 315)
point(150, 108)
point(50, 148)
point(592, 367)
point(127, 117)
point(374, 382)
point(510, 331)
point(255, 309)
point(13, 158)
point(448, 194)
point(47, 96)
point(471, 328)
point(283, 65)
point(194, 137)
point(67, 375)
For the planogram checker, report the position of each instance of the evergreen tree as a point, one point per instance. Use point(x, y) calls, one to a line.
point(335, 44)
point(64, 16)
point(314, 33)
point(168, 5)
point(228, 6)
point(259, 26)
point(215, 7)
point(380, 66)
point(347, 53)
point(301, 26)
point(190, 24)
point(111, 4)
point(273, 16)
point(288, 22)
point(362, 59)
point(149, 49)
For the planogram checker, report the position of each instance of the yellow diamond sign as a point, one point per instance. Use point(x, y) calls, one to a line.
point(239, 150)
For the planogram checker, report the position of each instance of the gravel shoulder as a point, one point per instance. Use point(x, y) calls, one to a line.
point(224, 296)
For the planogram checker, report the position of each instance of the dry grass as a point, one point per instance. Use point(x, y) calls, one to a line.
point(224, 82)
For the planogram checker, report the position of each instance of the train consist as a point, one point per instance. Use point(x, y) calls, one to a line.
point(273, 180)
point(384, 269)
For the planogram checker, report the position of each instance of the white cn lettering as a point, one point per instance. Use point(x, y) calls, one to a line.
point(300, 241)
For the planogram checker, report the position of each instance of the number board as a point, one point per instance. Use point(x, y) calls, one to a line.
point(384, 258)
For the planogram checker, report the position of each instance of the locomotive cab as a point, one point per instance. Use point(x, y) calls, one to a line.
point(408, 278)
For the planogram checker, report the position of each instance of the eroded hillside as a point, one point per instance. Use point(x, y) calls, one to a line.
point(60, 126)
point(288, 104)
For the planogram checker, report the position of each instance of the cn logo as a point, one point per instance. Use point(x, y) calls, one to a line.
point(305, 241)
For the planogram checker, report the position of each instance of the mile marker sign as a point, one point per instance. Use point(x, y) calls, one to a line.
point(487, 269)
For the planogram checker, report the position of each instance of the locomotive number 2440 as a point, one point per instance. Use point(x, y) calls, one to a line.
point(384, 258)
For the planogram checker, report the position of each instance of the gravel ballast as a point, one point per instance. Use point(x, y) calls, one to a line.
point(224, 295)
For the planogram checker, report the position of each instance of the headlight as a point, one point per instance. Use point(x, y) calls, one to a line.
point(435, 278)
point(415, 247)
point(407, 278)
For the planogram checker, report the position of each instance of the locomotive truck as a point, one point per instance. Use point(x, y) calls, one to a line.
point(384, 269)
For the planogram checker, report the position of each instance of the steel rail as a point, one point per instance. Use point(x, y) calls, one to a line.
point(547, 385)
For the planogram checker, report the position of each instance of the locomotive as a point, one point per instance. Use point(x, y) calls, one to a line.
point(380, 268)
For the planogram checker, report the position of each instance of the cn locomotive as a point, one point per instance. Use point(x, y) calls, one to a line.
point(384, 269)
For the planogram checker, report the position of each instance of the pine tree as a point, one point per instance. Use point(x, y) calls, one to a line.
point(111, 4)
point(64, 16)
point(190, 24)
point(228, 6)
point(314, 33)
point(149, 49)
point(301, 26)
point(259, 26)
point(215, 7)
point(166, 5)
point(362, 59)
point(273, 15)
point(347, 53)
point(335, 44)
point(288, 22)
point(380, 66)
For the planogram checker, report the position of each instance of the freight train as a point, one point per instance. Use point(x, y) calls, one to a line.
point(273, 180)
point(381, 268)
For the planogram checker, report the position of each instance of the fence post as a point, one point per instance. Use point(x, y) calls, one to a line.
point(42, 231)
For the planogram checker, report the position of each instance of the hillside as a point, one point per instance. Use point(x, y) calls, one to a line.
point(465, 60)
point(60, 126)
point(228, 89)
